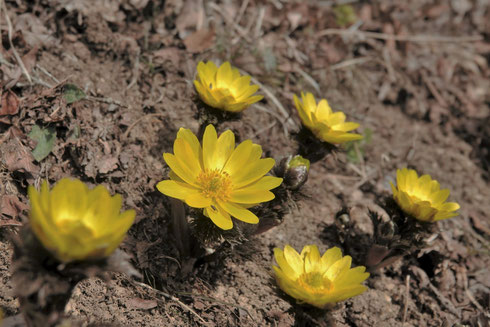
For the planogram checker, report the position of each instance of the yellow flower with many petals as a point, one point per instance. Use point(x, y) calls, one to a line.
point(218, 177)
point(318, 280)
point(76, 223)
point(224, 88)
point(422, 197)
point(328, 126)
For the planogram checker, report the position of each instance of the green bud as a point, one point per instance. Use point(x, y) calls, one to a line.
point(294, 170)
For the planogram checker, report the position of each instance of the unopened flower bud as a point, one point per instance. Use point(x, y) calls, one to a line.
point(294, 170)
point(386, 230)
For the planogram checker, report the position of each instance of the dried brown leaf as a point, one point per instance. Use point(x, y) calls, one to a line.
point(200, 40)
point(171, 54)
point(12, 206)
point(107, 164)
point(137, 303)
point(10, 103)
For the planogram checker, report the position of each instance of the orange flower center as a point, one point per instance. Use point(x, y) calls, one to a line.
point(215, 184)
point(315, 282)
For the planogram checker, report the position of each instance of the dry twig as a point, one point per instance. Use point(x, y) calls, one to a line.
point(16, 54)
point(408, 38)
point(173, 298)
point(125, 135)
point(405, 304)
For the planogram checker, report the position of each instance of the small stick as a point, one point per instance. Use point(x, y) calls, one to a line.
point(468, 293)
point(274, 100)
point(409, 38)
point(350, 62)
point(173, 298)
point(407, 295)
point(16, 54)
point(207, 298)
point(105, 100)
point(309, 79)
point(228, 20)
point(125, 135)
point(44, 70)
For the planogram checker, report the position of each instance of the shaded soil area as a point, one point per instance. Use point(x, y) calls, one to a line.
point(110, 83)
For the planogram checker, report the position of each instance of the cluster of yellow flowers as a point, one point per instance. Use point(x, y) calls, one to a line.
point(225, 180)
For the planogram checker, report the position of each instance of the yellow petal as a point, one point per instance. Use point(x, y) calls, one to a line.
point(240, 84)
point(311, 258)
point(265, 183)
point(247, 92)
point(192, 140)
point(176, 189)
point(309, 101)
point(342, 294)
point(180, 169)
point(294, 260)
point(440, 196)
point(445, 215)
point(237, 107)
point(62, 202)
point(401, 178)
point(238, 157)
point(210, 138)
point(207, 73)
point(186, 155)
point(335, 137)
point(197, 200)
point(41, 225)
point(336, 118)
point(254, 99)
point(303, 113)
point(352, 277)
point(323, 110)
point(346, 127)
point(224, 76)
point(284, 265)
point(252, 172)
point(251, 196)
point(224, 148)
point(411, 180)
point(338, 268)
point(331, 256)
point(219, 217)
point(239, 212)
point(393, 188)
point(235, 73)
point(450, 206)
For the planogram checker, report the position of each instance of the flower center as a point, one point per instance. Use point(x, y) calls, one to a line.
point(222, 92)
point(417, 197)
point(215, 184)
point(315, 282)
point(69, 225)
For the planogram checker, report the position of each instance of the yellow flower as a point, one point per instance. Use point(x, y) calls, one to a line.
point(422, 197)
point(75, 223)
point(224, 88)
point(328, 126)
point(218, 177)
point(316, 280)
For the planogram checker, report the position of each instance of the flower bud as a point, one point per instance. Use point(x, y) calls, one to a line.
point(294, 170)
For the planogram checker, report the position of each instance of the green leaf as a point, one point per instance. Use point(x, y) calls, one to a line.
point(344, 15)
point(45, 138)
point(72, 93)
point(270, 62)
point(355, 148)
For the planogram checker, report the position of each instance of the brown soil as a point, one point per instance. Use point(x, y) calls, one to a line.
point(425, 100)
